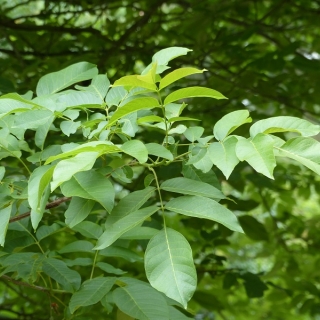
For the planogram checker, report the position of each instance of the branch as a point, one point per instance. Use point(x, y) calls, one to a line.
point(24, 284)
point(50, 205)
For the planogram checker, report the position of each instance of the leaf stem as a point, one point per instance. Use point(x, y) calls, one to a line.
point(94, 263)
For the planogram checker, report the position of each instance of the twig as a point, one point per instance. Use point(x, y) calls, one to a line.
point(50, 205)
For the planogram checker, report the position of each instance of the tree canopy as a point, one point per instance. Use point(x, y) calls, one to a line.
point(159, 160)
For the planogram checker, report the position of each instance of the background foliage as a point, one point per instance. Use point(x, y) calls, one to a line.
point(262, 55)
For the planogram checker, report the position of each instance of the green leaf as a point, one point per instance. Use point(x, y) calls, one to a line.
point(114, 231)
point(304, 150)
point(150, 119)
point(32, 119)
point(253, 228)
point(193, 133)
point(120, 252)
point(192, 187)
point(140, 301)
point(132, 202)
point(42, 132)
point(258, 152)
point(45, 231)
point(284, 124)
point(57, 81)
point(115, 96)
point(90, 185)
point(2, 172)
point(230, 122)
point(253, 285)
point(4, 222)
point(169, 265)
point(192, 92)
point(91, 292)
point(140, 233)
point(108, 268)
point(136, 149)
point(99, 86)
point(103, 147)
point(159, 150)
point(56, 269)
point(223, 155)
point(132, 106)
point(69, 127)
point(163, 56)
point(65, 169)
point(78, 246)
point(78, 210)
point(88, 229)
point(204, 163)
point(38, 192)
point(178, 74)
point(134, 81)
point(200, 207)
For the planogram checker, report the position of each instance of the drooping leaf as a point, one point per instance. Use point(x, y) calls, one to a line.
point(169, 265)
point(140, 301)
point(56, 269)
point(284, 124)
point(114, 231)
point(192, 187)
point(258, 152)
point(223, 155)
point(136, 149)
point(4, 221)
point(178, 74)
point(132, 202)
point(230, 122)
point(192, 92)
point(200, 207)
point(38, 192)
point(159, 150)
point(65, 169)
point(132, 106)
point(90, 185)
point(304, 150)
point(78, 210)
point(91, 292)
point(56, 81)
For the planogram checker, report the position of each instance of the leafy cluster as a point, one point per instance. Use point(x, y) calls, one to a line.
point(128, 171)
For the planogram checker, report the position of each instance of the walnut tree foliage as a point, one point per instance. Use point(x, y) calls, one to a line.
point(171, 183)
point(79, 147)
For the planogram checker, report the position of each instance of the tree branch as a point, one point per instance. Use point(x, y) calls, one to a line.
point(50, 205)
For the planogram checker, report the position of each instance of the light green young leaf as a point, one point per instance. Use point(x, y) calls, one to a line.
point(134, 81)
point(163, 56)
point(159, 150)
point(132, 202)
point(136, 149)
point(102, 147)
point(91, 292)
point(38, 192)
point(304, 150)
point(284, 124)
point(132, 106)
point(223, 155)
point(150, 119)
point(193, 133)
point(169, 265)
point(4, 222)
point(65, 169)
point(178, 74)
point(57, 81)
point(69, 279)
point(140, 301)
point(230, 122)
point(200, 207)
point(192, 187)
point(32, 119)
point(173, 110)
point(114, 231)
point(78, 210)
point(192, 92)
point(258, 152)
point(90, 185)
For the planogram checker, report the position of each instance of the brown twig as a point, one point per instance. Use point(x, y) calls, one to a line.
point(24, 284)
point(50, 205)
